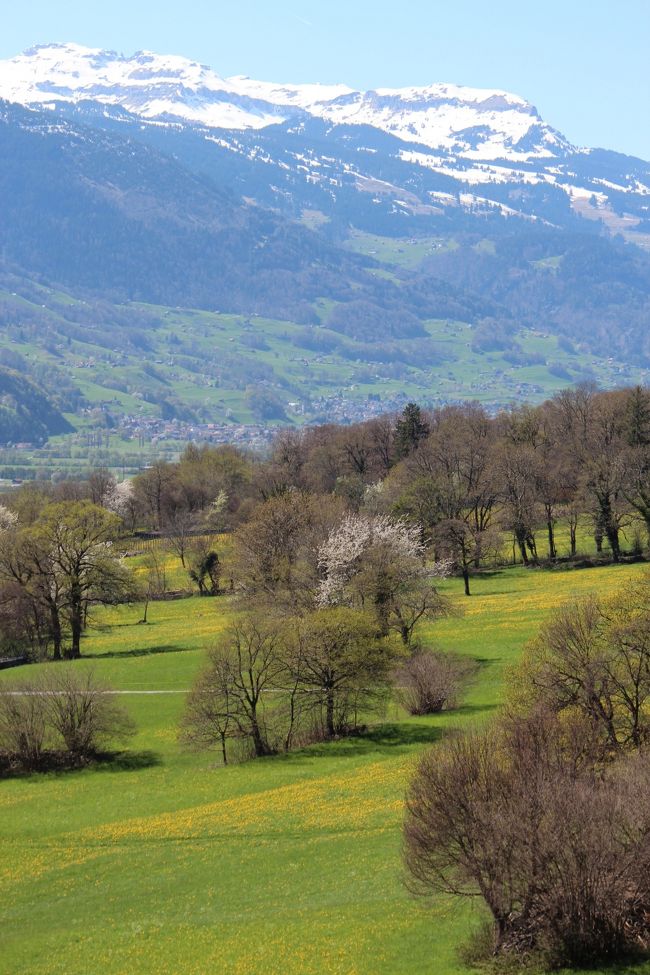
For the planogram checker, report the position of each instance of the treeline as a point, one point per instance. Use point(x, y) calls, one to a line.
point(470, 481)
point(471, 484)
point(477, 490)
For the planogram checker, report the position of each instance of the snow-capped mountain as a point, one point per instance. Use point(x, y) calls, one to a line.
point(368, 222)
point(442, 152)
point(473, 123)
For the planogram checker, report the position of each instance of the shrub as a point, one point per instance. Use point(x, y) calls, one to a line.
point(431, 681)
point(23, 726)
point(558, 849)
point(64, 718)
point(83, 714)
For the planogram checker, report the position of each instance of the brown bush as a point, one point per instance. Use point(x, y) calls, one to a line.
point(62, 718)
point(559, 851)
point(23, 726)
point(431, 681)
point(83, 715)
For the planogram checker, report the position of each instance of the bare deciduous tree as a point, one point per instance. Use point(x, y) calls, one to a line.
point(83, 713)
point(431, 681)
point(276, 553)
point(208, 719)
point(154, 583)
point(61, 715)
point(23, 726)
point(559, 852)
point(179, 530)
point(234, 696)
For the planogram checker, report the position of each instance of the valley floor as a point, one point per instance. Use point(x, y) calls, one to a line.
point(163, 862)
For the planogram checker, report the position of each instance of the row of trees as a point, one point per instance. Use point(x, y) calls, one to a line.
point(466, 478)
point(454, 479)
point(546, 815)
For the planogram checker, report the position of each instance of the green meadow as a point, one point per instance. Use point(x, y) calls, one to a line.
point(161, 861)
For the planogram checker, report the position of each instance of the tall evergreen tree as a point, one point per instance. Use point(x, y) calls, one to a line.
point(411, 429)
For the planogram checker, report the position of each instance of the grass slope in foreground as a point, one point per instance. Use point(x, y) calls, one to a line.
point(163, 863)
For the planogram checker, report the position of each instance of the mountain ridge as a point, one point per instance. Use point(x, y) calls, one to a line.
point(444, 146)
point(170, 86)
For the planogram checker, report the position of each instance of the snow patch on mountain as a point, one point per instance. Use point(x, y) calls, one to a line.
point(472, 123)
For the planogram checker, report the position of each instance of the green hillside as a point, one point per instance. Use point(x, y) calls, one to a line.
point(288, 865)
point(103, 362)
point(26, 412)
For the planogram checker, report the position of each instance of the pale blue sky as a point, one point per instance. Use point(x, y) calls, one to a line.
point(583, 63)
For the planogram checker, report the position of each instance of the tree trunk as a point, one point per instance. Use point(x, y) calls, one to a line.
point(500, 929)
point(259, 744)
point(552, 552)
point(56, 632)
point(478, 553)
point(382, 606)
point(614, 542)
point(521, 542)
point(76, 622)
point(329, 713)
point(466, 580)
point(76, 627)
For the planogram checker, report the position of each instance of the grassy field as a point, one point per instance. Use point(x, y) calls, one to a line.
point(162, 862)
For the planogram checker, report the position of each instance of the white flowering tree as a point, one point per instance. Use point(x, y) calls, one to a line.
point(378, 563)
point(8, 519)
point(123, 502)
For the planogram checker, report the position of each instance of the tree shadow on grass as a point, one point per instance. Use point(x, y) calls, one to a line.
point(471, 710)
point(624, 966)
point(59, 764)
point(137, 652)
point(388, 738)
point(127, 761)
point(385, 739)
